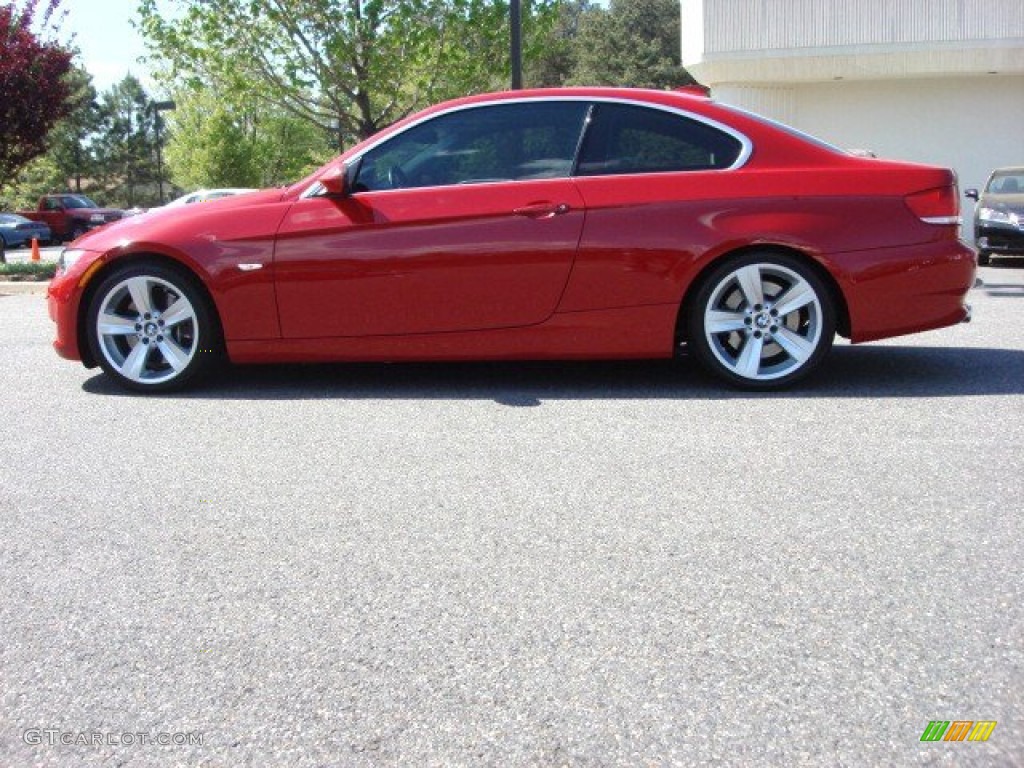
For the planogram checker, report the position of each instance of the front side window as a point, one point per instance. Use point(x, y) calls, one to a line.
point(624, 138)
point(498, 142)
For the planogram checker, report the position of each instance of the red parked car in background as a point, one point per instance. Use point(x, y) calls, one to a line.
point(70, 216)
point(570, 223)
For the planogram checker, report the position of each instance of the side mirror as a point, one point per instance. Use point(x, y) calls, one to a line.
point(971, 193)
point(335, 181)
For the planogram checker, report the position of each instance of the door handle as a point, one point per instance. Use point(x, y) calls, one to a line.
point(542, 210)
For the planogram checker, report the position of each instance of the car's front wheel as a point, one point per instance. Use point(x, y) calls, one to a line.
point(984, 258)
point(151, 328)
point(761, 320)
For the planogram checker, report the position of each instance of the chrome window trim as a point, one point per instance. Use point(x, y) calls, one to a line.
point(746, 146)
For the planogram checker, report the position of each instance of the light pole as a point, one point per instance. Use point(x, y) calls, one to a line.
point(158, 107)
point(516, 43)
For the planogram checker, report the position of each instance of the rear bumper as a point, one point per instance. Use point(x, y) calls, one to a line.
point(895, 291)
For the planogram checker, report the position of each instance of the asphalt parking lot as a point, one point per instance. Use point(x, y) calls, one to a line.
point(614, 564)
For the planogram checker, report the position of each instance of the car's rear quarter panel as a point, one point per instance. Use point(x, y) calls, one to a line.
point(647, 238)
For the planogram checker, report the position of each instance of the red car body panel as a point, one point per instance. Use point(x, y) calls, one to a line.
point(450, 259)
point(579, 267)
point(635, 332)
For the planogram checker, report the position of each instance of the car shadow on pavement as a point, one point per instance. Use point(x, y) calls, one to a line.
point(850, 371)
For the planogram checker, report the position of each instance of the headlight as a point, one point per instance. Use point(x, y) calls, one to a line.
point(68, 257)
point(991, 214)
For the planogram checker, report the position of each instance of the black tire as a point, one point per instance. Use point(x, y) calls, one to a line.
point(75, 232)
point(761, 321)
point(984, 258)
point(169, 342)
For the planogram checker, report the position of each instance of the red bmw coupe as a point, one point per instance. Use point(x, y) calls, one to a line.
point(547, 224)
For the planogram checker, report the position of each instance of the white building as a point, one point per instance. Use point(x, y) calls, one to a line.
point(933, 81)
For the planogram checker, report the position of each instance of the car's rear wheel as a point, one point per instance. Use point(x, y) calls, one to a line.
point(152, 329)
point(984, 257)
point(761, 321)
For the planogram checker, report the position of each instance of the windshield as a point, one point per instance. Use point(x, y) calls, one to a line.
point(1007, 183)
point(78, 201)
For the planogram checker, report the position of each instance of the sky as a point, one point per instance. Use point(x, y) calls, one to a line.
point(109, 44)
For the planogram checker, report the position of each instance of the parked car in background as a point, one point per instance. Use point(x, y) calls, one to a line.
point(199, 196)
point(557, 224)
point(71, 216)
point(17, 231)
point(999, 215)
point(205, 195)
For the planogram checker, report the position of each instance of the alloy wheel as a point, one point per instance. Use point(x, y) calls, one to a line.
point(762, 322)
point(147, 329)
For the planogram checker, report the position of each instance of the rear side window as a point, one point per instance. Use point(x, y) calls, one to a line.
point(624, 138)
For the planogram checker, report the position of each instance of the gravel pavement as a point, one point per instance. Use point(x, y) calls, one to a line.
point(609, 564)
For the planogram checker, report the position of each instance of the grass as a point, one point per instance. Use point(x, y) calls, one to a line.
point(28, 271)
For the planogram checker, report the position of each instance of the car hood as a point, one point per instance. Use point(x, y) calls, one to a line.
point(226, 217)
point(1001, 201)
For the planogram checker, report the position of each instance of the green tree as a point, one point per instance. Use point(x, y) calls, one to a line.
point(212, 143)
point(555, 61)
point(125, 146)
point(288, 149)
point(633, 43)
point(41, 176)
point(348, 67)
point(70, 139)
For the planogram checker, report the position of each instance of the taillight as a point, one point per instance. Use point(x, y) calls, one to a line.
point(940, 205)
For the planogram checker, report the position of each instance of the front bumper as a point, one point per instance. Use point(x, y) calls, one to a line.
point(63, 300)
point(1000, 239)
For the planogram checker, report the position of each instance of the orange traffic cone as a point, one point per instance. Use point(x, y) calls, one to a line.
point(35, 250)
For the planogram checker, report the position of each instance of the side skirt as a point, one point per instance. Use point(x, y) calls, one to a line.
point(633, 332)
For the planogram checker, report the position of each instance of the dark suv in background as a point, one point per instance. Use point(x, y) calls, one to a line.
point(999, 215)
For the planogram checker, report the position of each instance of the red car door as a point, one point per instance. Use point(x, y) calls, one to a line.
point(426, 260)
point(466, 221)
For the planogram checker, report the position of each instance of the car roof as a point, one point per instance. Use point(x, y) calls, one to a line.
point(677, 98)
point(686, 101)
